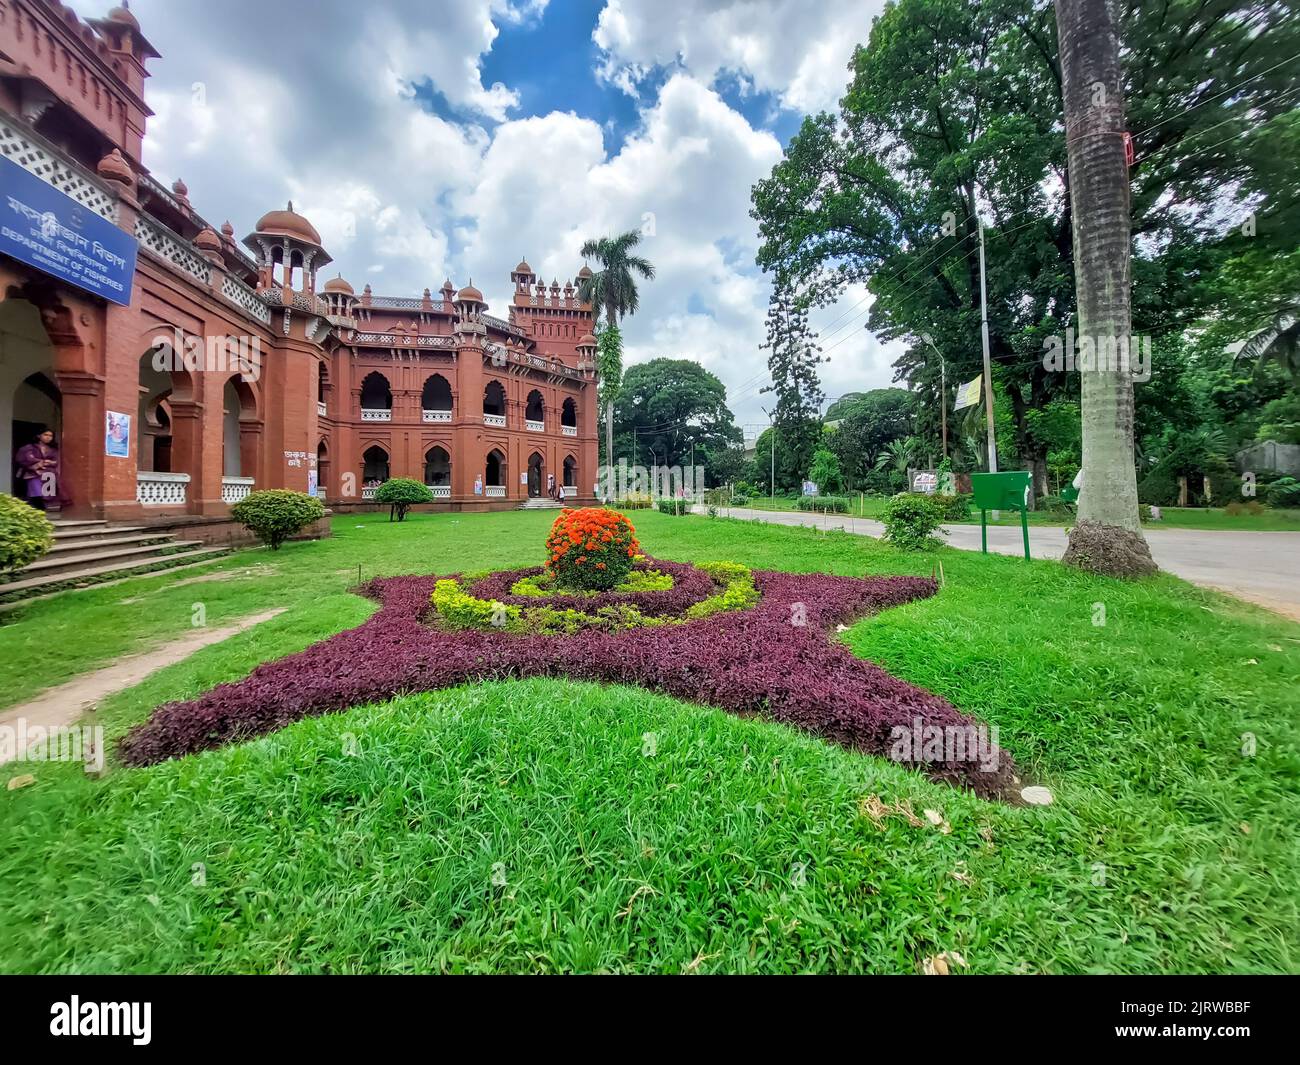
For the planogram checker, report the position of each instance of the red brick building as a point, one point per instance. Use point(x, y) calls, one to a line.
point(236, 362)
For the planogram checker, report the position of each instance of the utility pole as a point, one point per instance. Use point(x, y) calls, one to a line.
point(988, 371)
point(943, 391)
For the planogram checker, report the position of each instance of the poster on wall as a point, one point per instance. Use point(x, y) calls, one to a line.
point(311, 482)
point(478, 486)
point(117, 434)
point(523, 477)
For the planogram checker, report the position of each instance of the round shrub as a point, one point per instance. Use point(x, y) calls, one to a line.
point(25, 534)
point(910, 518)
point(402, 493)
point(1284, 492)
point(591, 548)
point(275, 514)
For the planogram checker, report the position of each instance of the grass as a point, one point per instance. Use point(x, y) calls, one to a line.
point(735, 846)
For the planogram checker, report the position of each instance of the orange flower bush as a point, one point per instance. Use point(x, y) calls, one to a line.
point(591, 548)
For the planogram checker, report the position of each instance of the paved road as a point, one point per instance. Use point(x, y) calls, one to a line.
point(1263, 567)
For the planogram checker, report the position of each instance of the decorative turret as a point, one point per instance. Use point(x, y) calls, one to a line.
point(182, 192)
point(339, 297)
point(115, 169)
point(285, 239)
point(209, 244)
point(522, 275)
point(469, 306)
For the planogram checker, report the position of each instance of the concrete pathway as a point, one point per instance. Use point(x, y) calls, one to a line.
point(1262, 567)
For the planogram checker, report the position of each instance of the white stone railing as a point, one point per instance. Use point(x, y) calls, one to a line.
point(320, 491)
point(496, 491)
point(535, 427)
point(160, 489)
point(368, 415)
point(243, 296)
point(37, 156)
point(437, 415)
point(320, 408)
point(499, 420)
point(569, 430)
point(233, 489)
point(440, 491)
point(172, 248)
point(368, 492)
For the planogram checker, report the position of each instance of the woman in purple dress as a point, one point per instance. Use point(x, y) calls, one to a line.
point(40, 471)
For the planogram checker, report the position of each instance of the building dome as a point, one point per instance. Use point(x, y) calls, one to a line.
point(288, 223)
point(523, 267)
point(586, 341)
point(337, 284)
point(469, 292)
point(115, 168)
point(123, 15)
point(585, 271)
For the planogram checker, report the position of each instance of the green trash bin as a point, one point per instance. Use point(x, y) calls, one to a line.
point(1001, 491)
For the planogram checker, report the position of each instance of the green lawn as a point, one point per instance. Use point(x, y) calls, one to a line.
point(523, 826)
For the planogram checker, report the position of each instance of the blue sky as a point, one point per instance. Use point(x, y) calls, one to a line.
point(447, 138)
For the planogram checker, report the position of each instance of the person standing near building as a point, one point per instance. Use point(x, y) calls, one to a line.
point(41, 473)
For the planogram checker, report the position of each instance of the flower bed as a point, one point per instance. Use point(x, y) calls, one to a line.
point(690, 585)
point(776, 659)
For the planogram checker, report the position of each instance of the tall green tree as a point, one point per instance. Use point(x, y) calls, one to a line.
point(612, 289)
point(792, 358)
point(869, 424)
point(1099, 191)
point(674, 411)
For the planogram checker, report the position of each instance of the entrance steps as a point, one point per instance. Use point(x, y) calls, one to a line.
point(87, 553)
point(539, 503)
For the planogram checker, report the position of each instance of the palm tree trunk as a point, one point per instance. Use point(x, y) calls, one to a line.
point(1108, 537)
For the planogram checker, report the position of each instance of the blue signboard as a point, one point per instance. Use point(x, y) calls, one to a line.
point(51, 231)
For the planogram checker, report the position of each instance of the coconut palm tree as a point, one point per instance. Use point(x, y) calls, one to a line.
point(1278, 342)
point(611, 289)
point(1108, 537)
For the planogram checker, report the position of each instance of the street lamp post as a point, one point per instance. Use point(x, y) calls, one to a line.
point(771, 423)
point(943, 392)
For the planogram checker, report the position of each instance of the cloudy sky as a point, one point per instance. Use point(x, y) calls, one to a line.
point(450, 137)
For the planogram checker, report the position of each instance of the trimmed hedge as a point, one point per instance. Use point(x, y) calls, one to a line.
point(402, 493)
point(825, 504)
point(677, 507)
point(275, 514)
point(910, 520)
point(25, 533)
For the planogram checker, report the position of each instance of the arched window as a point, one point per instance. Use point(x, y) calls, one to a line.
point(569, 413)
point(536, 409)
point(436, 394)
point(536, 468)
point(375, 469)
point(494, 399)
point(570, 472)
point(322, 376)
point(495, 469)
point(375, 393)
point(437, 467)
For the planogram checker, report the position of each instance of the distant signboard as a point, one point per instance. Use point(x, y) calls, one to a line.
point(925, 482)
point(809, 488)
point(51, 231)
point(968, 394)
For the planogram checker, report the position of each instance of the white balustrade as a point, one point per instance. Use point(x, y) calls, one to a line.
point(535, 427)
point(440, 491)
point(160, 489)
point(496, 491)
point(569, 430)
point(499, 420)
point(437, 415)
point(368, 491)
point(233, 489)
point(368, 415)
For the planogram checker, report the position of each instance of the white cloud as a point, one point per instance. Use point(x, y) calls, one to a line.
point(796, 50)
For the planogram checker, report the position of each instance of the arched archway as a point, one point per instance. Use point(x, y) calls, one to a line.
point(435, 399)
point(569, 415)
point(239, 444)
point(536, 470)
point(29, 398)
point(494, 401)
point(535, 410)
point(374, 466)
point(494, 471)
point(437, 467)
point(570, 472)
point(376, 398)
point(322, 469)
